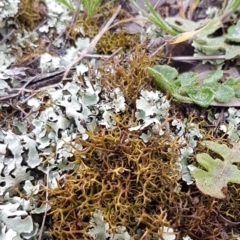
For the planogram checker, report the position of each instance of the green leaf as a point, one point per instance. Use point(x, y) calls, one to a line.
point(188, 81)
point(212, 78)
point(224, 94)
point(237, 92)
point(168, 72)
point(217, 173)
point(233, 33)
point(164, 76)
point(232, 155)
point(233, 5)
point(155, 18)
point(183, 25)
point(91, 7)
point(187, 28)
point(232, 81)
point(212, 45)
point(202, 97)
point(186, 84)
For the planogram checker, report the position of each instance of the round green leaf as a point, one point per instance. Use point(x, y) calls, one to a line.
point(233, 33)
point(168, 72)
point(212, 78)
point(232, 81)
point(224, 94)
point(237, 92)
point(188, 79)
point(202, 97)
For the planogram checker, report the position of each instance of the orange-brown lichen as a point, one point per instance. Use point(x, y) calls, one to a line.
point(130, 182)
point(30, 13)
point(85, 26)
point(135, 184)
point(128, 73)
point(111, 41)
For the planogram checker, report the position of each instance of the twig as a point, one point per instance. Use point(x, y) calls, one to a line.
point(101, 56)
point(198, 58)
point(45, 213)
point(93, 43)
point(131, 19)
point(21, 90)
point(159, 3)
point(26, 99)
point(23, 112)
point(9, 96)
point(220, 119)
point(38, 81)
point(8, 36)
point(158, 49)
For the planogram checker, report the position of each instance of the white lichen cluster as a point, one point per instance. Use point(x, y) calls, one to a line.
point(99, 230)
point(231, 124)
point(189, 134)
point(152, 110)
point(58, 17)
point(74, 109)
point(8, 8)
